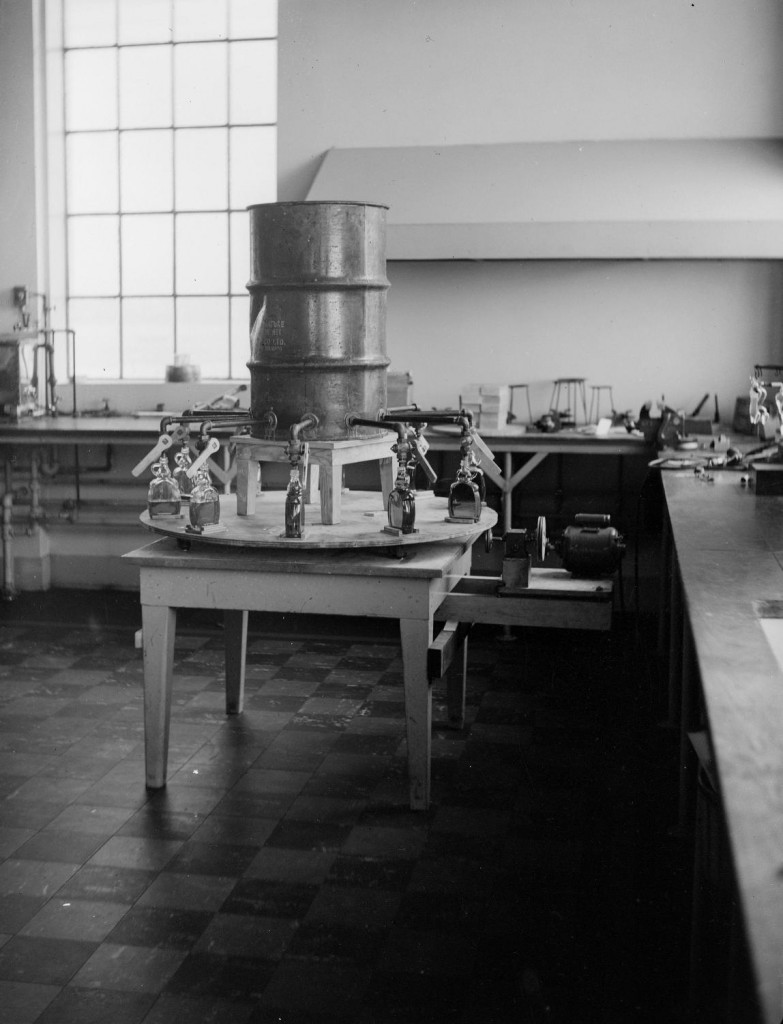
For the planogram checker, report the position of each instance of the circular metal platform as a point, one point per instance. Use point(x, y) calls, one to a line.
point(362, 526)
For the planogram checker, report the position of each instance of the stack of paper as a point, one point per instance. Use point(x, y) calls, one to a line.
point(489, 404)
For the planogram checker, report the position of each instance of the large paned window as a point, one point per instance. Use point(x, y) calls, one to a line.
point(162, 130)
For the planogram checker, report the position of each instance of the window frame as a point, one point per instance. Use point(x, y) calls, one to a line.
point(59, 221)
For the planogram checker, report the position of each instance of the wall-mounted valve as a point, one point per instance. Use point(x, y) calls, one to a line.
point(298, 454)
point(401, 504)
point(468, 491)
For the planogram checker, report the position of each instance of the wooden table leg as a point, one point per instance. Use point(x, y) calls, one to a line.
point(456, 687)
point(159, 626)
point(312, 481)
point(247, 481)
point(416, 637)
point(330, 486)
point(236, 650)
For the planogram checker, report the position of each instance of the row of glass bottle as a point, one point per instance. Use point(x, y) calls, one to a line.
point(167, 492)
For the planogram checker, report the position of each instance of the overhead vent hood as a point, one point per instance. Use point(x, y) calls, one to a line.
point(660, 199)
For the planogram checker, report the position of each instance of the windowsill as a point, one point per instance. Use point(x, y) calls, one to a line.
point(127, 397)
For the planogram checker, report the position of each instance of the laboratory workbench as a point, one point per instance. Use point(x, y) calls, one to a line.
point(81, 430)
point(723, 545)
point(508, 445)
point(516, 441)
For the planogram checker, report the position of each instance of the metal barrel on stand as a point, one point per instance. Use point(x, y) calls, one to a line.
point(318, 291)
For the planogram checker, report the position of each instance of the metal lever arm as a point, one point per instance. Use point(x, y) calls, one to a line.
point(165, 441)
point(420, 457)
point(211, 447)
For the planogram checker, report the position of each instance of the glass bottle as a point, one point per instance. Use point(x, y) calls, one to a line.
point(401, 506)
point(464, 498)
point(163, 497)
point(182, 463)
point(294, 506)
point(204, 501)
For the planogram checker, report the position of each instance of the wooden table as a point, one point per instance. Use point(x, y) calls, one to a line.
point(282, 575)
point(538, 446)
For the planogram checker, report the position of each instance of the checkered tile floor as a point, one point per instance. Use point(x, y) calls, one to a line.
point(280, 876)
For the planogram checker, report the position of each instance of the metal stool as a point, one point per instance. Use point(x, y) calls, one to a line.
point(596, 400)
point(573, 389)
point(516, 387)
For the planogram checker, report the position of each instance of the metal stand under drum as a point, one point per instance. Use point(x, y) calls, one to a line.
point(324, 473)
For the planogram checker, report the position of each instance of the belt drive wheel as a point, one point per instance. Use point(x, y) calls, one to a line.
point(541, 539)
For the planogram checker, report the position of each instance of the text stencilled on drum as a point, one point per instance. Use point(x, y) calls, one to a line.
point(273, 335)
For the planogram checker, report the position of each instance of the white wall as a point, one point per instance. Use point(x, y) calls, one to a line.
point(673, 328)
point(378, 73)
point(444, 72)
point(18, 254)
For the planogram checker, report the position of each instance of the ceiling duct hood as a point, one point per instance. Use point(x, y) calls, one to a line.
point(659, 199)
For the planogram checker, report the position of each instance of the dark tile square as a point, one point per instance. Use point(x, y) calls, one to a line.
point(337, 689)
point(235, 830)
point(22, 1003)
point(16, 910)
point(306, 835)
point(359, 663)
point(128, 968)
point(319, 723)
point(164, 927)
point(33, 877)
point(155, 823)
point(385, 709)
point(297, 750)
point(140, 852)
point(71, 847)
point(333, 943)
point(348, 907)
point(269, 898)
point(187, 892)
point(440, 911)
point(260, 657)
point(43, 961)
point(345, 787)
point(247, 935)
point(250, 805)
point(180, 1009)
point(369, 743)
point(418, 997)
point(325, 810)
point(273, 702)
point(324, 989)
point(205, 975)
point(225, 859)
point(115, 885)
point(370, 872)
point(95, 1006)
point(301, 673)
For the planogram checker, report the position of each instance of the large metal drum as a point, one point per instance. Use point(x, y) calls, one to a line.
point(318, 314)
